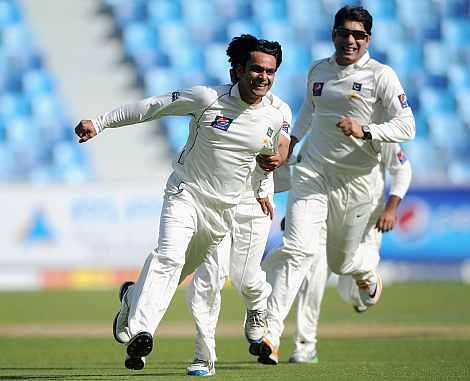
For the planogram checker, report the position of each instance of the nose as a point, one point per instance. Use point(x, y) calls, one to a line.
point(350, 38)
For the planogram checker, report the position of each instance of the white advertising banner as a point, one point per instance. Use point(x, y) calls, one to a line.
point(95, 226)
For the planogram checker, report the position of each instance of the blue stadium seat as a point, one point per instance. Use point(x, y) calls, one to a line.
point(233, 9)
point(126, 12)
point(266, 10)
point(459, 77)
point(9, 13)
point(456, 33)
point(384, 10)
point(13, 105)
point(199, 12)
point(37, 82)
point(307, 13)
point(462, 96)
point(159, 11)
point(214, 65)
point(171, 34)
point(238, 27)
point(158, 81)
point(425, 41)
point(435, 101)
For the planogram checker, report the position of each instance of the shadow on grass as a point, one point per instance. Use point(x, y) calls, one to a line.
point(75, 376)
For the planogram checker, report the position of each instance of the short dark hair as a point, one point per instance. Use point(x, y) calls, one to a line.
point(358, 14)
point(239, 49)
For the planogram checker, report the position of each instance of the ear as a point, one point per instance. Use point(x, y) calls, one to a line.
point(239, 70)
point(333, 35)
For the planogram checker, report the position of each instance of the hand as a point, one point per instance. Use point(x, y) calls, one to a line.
point(266, 206)
point(350, 127)
point(386, 221)
point(85, 130)
point(269, 162)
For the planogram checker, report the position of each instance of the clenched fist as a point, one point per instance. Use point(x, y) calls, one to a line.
point(350, 127)
point(85, 130)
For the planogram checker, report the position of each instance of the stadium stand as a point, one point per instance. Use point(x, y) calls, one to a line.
point(36, 138)
point(181, 43)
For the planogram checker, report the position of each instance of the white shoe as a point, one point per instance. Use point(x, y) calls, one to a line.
point(307, 357)
point(120, 329)
point(201, 368)
point(370, 289)
point(255, 325)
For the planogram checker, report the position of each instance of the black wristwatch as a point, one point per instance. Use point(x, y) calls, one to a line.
point(367, 134)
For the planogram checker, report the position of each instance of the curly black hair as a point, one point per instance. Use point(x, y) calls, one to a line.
point(240, 48)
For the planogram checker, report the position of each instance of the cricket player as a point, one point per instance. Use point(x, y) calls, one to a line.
point(354, 105)
point(239, 256)
point(230, 125)
point(383, 219)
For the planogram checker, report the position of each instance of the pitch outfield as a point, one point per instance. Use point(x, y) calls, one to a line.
point(419, 332)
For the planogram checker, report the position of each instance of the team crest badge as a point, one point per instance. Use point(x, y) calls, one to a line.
point(221, 123)
point(403, 100)
point(175, 95)
point(285, 127)
point(269, 132)
point(357, 86)
point(317, 88)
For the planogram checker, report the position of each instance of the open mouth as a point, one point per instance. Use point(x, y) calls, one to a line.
point(349, 50)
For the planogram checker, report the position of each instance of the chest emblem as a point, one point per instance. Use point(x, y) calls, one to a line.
point(357, 86)
point(221, 123)
point(317, 88)
point(269, 132)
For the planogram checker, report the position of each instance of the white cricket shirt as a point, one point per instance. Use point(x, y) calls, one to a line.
point(367, 91)
point(225, 135)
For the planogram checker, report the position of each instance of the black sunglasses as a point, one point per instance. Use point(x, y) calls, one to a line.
point(357, 34)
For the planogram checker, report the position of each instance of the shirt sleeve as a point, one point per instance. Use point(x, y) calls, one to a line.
point(184, 102)
point(263, 183)
point(399, 168)
point(304, 119)
point(286, 120)
point(400, 124)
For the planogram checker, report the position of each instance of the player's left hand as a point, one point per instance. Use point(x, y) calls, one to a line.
point(266, 206)
point(386, 221)
point(269, 162)
point(350, 127)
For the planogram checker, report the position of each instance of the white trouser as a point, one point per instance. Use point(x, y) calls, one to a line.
point(312, 289)
point(344, 204)
point(239, 255)
point(188, 224)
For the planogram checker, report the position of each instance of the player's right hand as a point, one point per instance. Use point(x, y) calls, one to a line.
point(266, 206)
point(85, 130)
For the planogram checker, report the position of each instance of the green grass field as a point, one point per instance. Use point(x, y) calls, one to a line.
point(419, 331)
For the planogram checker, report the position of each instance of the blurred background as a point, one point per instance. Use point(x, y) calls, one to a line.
point(87, 215)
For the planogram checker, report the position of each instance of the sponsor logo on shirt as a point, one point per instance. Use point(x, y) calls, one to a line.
point(317, 88)
point(357, 86)
point(221, 123)
point(175, 95)
point(269, 132)
point(403, 100)
point(285, 127)
point(401, 156)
